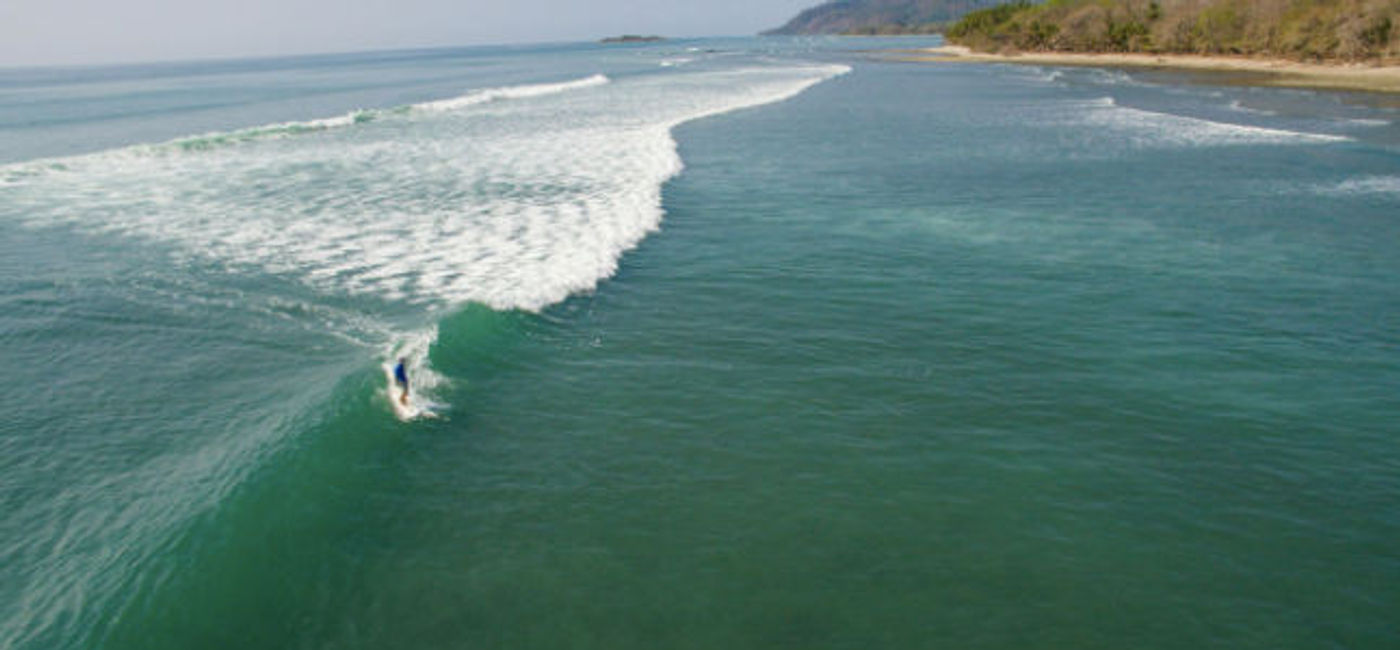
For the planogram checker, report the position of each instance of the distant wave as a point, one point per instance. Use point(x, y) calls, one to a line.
point(1238, 105)
point(363, 116)
point(1110, 77)
point(218, 139)
point(511, 92)
point(1060, 75)
point(16, 172)
point(1149, 128)
point(1036, 73)
point(1365, 185)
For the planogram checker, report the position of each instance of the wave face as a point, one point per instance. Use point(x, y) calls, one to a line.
point(514, 197)
point(372, 224)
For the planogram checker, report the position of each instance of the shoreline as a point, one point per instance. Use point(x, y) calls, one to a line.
point(1254, 72)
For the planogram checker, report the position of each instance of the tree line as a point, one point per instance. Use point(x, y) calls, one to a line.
point(1318, 30)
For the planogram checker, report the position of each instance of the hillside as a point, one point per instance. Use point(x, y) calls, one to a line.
point(879, 16)
point(1309, 30)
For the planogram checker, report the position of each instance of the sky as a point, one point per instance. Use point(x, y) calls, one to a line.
point(69, 32)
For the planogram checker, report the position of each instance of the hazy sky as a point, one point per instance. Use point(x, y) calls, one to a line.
point(40, 32)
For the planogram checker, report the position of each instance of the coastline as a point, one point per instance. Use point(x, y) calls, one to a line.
point(1253, 72)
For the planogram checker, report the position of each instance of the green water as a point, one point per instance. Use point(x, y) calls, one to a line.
point(923, 357)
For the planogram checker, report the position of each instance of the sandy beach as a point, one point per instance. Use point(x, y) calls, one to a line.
point(1264, 72)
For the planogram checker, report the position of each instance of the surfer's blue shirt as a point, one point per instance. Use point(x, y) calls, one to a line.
point(401, 374)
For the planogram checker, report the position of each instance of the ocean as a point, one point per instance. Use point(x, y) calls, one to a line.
point(727, 343)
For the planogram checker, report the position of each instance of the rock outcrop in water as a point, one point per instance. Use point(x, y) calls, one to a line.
point(631, 38)
point(879, 16)
point(1340, 30)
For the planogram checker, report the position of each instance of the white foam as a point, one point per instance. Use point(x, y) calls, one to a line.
point(1366, 185)
point(423, 380)
point(1111, 77)
point(1148, 128)
point(515, 206)
point(512, 92)
point(1237, 105)
point(1036, 73)
point(362, 116)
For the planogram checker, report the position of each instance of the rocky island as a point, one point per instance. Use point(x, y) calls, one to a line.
point(631, 38)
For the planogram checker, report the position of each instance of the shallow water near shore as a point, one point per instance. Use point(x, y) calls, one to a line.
point(737, 343)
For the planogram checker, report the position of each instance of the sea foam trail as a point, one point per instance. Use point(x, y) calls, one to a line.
point(515, 204)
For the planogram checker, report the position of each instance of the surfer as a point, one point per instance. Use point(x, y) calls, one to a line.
point(401, 378)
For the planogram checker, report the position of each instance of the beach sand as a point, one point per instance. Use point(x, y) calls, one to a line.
point(1247, 71)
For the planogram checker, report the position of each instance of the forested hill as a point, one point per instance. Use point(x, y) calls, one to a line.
point(1317, 30)
point(879, 16)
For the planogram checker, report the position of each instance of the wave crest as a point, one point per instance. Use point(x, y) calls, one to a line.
point(215, 140)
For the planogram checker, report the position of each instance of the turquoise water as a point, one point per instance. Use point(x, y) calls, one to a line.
point(736, 343)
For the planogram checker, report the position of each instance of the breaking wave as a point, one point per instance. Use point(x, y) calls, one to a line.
point(363, 116)
point(1148, 128)
point(1373, 185)
point(449, 202)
